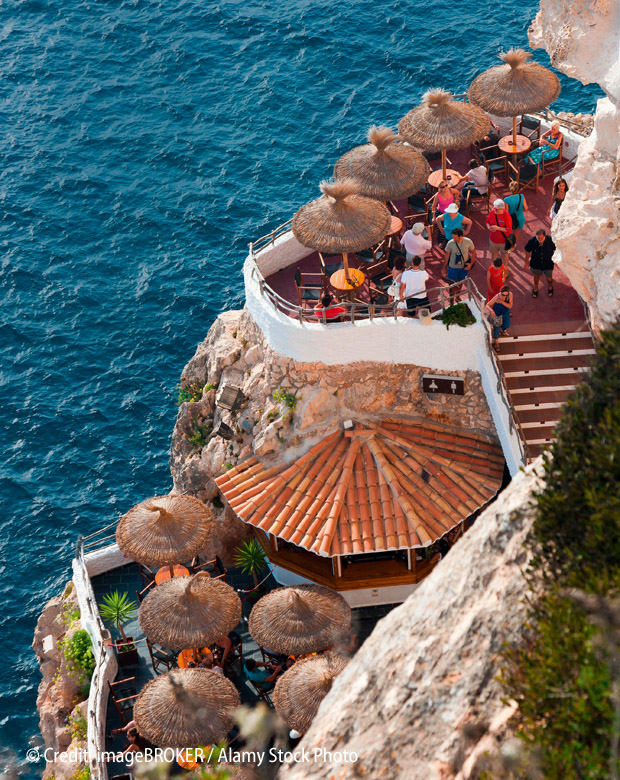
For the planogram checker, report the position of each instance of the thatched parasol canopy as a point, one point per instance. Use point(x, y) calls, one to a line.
point(341, 220)
point(186, 707)
point(441, 123)
point(189, 612)
point(165, 530)
point(303, 687)
point(515, 87)
point(384, 169)
point(299, 619)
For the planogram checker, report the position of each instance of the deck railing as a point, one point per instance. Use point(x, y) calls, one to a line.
point(105, 661)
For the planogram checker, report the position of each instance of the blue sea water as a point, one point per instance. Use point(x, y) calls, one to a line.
point(143, 145)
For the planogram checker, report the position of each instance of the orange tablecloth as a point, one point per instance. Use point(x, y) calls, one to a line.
point(506, 145)
point(452, 177)
point(185, 656)
point(395, 226)
point(339, 280)
point(163, 574)
point(187, 761)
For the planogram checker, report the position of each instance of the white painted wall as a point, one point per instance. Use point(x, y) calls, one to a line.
point(285, 251)
point(385, 339)
point(105, 559)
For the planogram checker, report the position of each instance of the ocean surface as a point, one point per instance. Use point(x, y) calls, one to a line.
point(143, 145)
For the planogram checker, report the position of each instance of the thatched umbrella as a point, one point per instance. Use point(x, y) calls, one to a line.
point(299, 619)
point(515, 87)
point(165, 530)
point(384, 169)
point(189, 612)
point(441, 123)
point(186, 707)
point(303, 687)
point(341, 220)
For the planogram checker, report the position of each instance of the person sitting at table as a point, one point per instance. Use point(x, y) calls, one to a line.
point(475, 180)
point(452, 218)
point(488, 145)
point(261, 677)
point(137, 743)
point(225, 645)
point(209, 663)
point(549, 147)
point(414, 242)
point(333, 312)
point(444, 196)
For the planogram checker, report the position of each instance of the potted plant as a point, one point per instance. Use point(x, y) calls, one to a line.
point(250, 558)
point(117, 609)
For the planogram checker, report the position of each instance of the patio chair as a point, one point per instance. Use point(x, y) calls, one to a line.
point(236, 654)
point(496, 167)
point(124, 695)
point(329, 266)
point(552, 165)
point(371, 255)
point(471, 199)
point(529, 126)
point(147, 575)
point(262, 694)
point(526, 175)
point(161, 660)
point(309, 294)
point(142, 593)
point(214, 567)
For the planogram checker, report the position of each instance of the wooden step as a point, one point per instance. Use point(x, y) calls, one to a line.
point(547, 381)
point(547, 347)
point(515, 366)
point(540, 328)
point(539, 398)
point(583, 336)
point(533, 417)
point(542, 433)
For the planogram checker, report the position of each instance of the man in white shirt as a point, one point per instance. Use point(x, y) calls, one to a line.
point(413, 286)
point(414, 243)
point(476, 179)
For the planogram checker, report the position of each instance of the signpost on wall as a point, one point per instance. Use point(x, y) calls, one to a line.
point(448, 385)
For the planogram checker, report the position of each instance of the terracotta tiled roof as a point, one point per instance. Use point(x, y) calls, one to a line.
point(397, 485)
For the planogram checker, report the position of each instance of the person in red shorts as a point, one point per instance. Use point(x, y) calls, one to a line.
point(499, 224)
point(333, 311)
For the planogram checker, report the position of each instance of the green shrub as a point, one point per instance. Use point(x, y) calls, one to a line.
point(189, 391)
point(559, 675)
point(199, 435)
point(289, 399)
point(457, 314)
point(79, 655)
point(78, 725)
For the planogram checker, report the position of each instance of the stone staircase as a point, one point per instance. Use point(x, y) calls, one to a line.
point(541, 370)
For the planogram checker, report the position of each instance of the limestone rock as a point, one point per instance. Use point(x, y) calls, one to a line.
point(424, 681)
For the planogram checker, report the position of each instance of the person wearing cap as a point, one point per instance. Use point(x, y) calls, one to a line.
point(452, 218)
point(499, 225)
point(414, 243)
point(458, 260)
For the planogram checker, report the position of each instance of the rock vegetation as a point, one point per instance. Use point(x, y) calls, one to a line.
point(61, 698)
point(289, 406)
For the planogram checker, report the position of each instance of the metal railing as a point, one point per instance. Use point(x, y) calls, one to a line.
point(270, 238)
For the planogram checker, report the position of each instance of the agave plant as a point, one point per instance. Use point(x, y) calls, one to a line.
point(117, 609)
point(250, 558)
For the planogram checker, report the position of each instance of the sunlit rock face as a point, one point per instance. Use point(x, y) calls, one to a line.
point(583, 41)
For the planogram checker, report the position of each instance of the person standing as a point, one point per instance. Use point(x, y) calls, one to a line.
point(459, 258)
point(496, 276)
point(413, 286)
point(560, 189)
point(499, 225)
point(414, 243)
point(539, 252)
point(500, 306)
point(516, 205)
point(452, 218)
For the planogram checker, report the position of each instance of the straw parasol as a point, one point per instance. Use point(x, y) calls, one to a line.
point(384, 169)
point(515, 87)
point(189, 611)
point(341, 220)
point(303, 687)
point(165, 530)
point(441, 123)
point(299, 619)
point(186, 707)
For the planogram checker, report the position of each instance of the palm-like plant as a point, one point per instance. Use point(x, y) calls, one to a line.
point(250, 558)
point(117, 609)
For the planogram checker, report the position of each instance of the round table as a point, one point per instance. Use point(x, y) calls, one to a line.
point(506, 145)
point(163, 574)
point(452, 177)
point(187, 656)
point(340, 282)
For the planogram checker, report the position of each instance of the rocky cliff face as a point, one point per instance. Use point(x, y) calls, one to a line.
point(420, 701)
point(583, 39)
point(319, 398)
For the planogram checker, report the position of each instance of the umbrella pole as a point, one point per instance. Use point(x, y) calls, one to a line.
point(171, 570)
point(443, 164)
point(514, 130)
point(345, 258)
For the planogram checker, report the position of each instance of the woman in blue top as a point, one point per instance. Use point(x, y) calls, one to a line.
point(451, 219)
point(516, 205)
point(550, 144)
